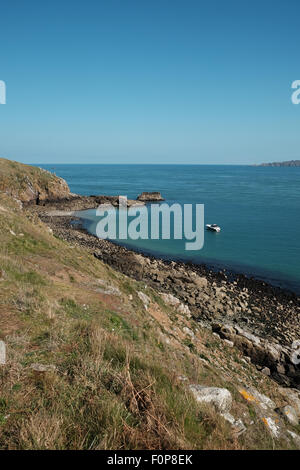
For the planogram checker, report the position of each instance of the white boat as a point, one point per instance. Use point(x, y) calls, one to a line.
point(213, 227)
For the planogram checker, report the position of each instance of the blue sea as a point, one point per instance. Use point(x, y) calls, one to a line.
point(256, 207)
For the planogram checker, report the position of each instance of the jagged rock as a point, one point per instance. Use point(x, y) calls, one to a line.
point(229, 343)
point(253, 396)
point(290, 414)
point(293, 397)
point(274, 351)
point(252, 338)
point(154, 196)
point(219, 397)
point(265, 409)
point(273, 426)
point(2, 353)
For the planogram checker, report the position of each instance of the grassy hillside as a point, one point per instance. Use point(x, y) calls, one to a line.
point(96, 360)
point(28, 183)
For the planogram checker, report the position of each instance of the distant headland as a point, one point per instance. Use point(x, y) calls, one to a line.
point(288, 163)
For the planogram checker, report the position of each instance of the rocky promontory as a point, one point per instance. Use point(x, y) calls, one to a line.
point(287, 163)
point(31, 185)
point(35, 186)
point(150, 197)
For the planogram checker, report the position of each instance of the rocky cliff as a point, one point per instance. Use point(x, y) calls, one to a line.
point(150, 197)
point(31, 184)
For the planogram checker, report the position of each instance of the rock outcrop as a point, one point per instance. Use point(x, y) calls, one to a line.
point(264, 353)
point(287, 163)
point(150, 197)
point(31, 185)
point(219, 397)
point(36, 186)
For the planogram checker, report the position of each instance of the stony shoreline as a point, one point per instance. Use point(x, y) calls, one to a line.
point(260, 320)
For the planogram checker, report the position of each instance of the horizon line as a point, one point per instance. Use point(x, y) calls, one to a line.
point(152, 164)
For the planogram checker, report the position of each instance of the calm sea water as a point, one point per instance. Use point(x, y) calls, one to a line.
point(256, 207)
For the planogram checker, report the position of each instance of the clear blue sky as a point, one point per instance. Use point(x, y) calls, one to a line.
point(149, 81)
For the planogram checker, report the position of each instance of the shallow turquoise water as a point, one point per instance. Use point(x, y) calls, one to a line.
point(257, 208)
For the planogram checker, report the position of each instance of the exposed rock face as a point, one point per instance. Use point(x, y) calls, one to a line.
point(265, 409)
point(290, 414)
point(150, 197)
point(293, 397)
point(277, 359)
point(220, 397)
point(253, 396)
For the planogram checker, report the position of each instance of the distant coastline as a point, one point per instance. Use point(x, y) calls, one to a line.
point(287, 163)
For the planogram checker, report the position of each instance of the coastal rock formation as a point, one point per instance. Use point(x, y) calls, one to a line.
point(290, 414)
point(220, 397)
point(292, 396)
point(36, 186)
point(150, 197)
point(264, 353)
point(31, 184)
point(76, 202)
point(287, 163)
point(221, 400)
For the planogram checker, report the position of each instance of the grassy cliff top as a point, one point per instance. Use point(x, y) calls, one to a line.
point(28, 183)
